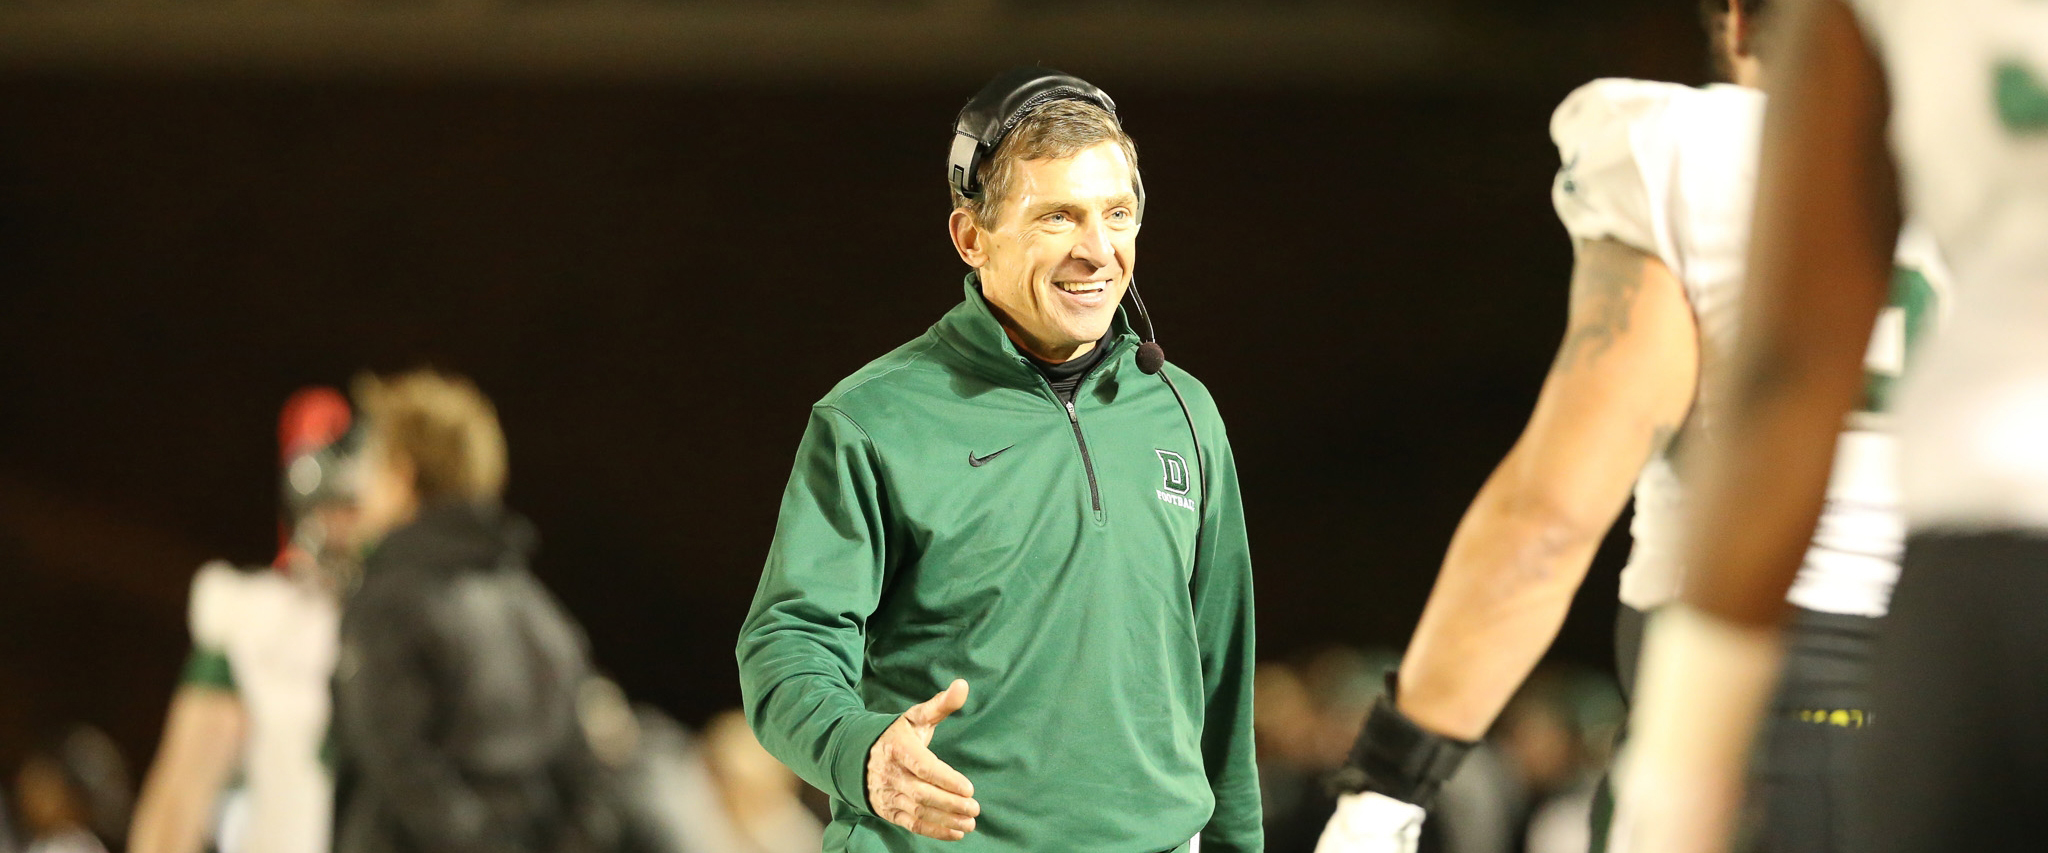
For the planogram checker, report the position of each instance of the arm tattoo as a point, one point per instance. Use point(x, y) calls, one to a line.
point(1604, 288)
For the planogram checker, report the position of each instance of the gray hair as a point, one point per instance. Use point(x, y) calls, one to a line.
point(1051, 130)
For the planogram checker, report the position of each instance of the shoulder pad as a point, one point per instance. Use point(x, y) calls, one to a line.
point(216, 598)
point(1616, 156)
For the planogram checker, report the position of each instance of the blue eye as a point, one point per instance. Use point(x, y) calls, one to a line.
point(1055, 217)
point(1121, 214)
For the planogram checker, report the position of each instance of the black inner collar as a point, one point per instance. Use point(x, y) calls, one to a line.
point(1067, 375)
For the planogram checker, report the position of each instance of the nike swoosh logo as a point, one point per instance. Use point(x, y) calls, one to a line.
point(983, 460)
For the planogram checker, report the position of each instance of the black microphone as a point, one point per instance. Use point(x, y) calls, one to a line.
point(1151, 356)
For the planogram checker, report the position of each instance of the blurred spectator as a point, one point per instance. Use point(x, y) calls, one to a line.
point(240, 760)
point(1527, 787)
point(671, 793)
point(1558, 733)
point(1284, 723)
point(1306, 714)
point(1476, 811)
point(1343, 683)
point(73, 795)
point(1472, 812)
point(6, 824)
point(456, 692)
point(758, 796)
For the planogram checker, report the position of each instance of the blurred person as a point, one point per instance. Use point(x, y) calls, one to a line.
point(7, 837)
point(1655, 191)
point(666, 791)
point(1343, 683)
point(1556, 735)
point(1292, 720)
point(1888, 109)
point(1549, 732)
point(759, 794)
point(1286, 729)
point(1084, 567)
point(1477, 806)
point(455, 696)
point(1308, 713)
point(73, 794)
point(240, 763)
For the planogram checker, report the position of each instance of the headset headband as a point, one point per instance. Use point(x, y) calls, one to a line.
point(996, 109)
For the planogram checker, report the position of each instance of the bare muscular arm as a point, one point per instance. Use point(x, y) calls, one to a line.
point(1622, 384)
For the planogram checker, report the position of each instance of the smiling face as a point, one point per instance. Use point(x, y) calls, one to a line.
point(1058, 256)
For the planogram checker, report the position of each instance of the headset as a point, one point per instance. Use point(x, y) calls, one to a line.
point(988, 117)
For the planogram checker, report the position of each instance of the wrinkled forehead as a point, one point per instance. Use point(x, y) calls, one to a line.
point(1098, 177)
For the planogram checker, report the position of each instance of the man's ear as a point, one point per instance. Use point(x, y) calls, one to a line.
point(1738, 30)
point(968, 238)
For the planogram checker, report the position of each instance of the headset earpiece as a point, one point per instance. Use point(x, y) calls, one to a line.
point(994, 110)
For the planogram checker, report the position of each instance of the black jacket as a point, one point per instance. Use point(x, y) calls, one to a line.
point(455, 694)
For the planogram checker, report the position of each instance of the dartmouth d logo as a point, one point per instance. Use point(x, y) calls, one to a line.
point(1176, 489)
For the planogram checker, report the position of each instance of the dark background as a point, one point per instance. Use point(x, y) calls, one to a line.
point(655, 271)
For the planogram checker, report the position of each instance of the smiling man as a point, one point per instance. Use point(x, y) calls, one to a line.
point(1027, 504)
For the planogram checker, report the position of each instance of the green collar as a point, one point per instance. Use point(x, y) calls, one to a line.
point(972, 329)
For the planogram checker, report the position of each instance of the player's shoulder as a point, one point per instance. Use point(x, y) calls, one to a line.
point(1629, 148)
point(1608, 104)
point(1622, 93)
point(1613, 179)
point(221, 595)
point(1619, 106)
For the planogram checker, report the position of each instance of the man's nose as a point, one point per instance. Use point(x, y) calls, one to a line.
point(1093, 245)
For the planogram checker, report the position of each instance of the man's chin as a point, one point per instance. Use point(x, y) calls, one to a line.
point(1086, 334)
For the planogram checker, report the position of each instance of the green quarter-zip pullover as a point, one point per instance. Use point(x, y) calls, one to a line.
point(1083, 568)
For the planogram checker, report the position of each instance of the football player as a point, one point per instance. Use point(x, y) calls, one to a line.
point(1891, 108)
point(1655, 191)
point(254, 696)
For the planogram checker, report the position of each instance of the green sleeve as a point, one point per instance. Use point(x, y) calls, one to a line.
point(802, 646)
point(1222, 592)
point(208, 668)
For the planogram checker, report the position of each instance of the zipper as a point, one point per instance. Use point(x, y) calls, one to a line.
point(1074, 420)
point(1087, 463)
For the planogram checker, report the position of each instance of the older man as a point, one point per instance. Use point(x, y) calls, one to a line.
point(1026, 500)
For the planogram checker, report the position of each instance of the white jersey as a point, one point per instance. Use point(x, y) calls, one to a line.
point(280, 638)
point(1671, 170)
point(1969, 128)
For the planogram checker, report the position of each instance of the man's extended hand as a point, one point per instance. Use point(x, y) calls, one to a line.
point(909, 786)
point(1372, 823)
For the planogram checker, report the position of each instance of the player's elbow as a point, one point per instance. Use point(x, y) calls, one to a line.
point(1547, 542)
point(1559, 546)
